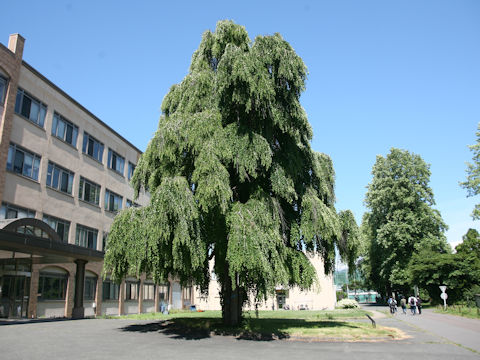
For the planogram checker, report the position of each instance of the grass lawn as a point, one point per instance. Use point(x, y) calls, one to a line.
point(309, 325)
point(459, 310)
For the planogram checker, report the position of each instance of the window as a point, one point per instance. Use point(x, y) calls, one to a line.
point(9, 211)
point(131, 290)
point(23, 162)
point(131, 169)
point(148, 291)
point(86, 237)
point(110, 290)
point(92, 147)
point(59, 178)
point(130, 203)
point(3, 89)
point(104, 241)
point(64, 129)
point(90, 288)
point(32, 230)
point(52, 284)
point(115, 161)
point(61, 227)
point(113, 202)
point(89, 191)
point(30, 108)
point(163, 291)
point(187, 295)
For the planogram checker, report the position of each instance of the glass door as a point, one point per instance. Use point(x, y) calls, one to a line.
point(14, 296)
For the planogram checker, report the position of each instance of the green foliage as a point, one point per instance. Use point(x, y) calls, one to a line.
point(459, 271)
point(470, 244)
point(161, 239)
point(470, 311)
point(472, 184)
point(429, 269)
point(401, 220)
point(232, 176)
point(350, 243)
point(341, 295)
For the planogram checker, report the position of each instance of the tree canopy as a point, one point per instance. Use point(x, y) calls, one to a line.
point(459, 271)
point(470, 245)
point(232, 177)
point(400, 220)
point(472, 184)
point(350, 243)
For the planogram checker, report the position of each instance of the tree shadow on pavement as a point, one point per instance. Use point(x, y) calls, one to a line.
point(251, 328)
point(34, 321)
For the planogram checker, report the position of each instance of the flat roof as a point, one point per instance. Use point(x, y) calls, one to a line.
point(76, 103)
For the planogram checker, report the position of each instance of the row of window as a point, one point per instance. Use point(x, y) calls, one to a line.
point(53, 286)
point(84, 235)
point(34, 110)
point(132, 291)
point(26, 163)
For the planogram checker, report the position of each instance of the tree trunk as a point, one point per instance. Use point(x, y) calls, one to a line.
point(232, 303)
point(389, 290)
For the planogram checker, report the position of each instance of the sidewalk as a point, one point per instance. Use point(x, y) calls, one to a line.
point(458, 330)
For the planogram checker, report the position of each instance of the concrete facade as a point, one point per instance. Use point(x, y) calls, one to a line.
point(321, 296)
point(20, 190)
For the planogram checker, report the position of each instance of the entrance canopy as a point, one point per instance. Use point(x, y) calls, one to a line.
point(33, 239)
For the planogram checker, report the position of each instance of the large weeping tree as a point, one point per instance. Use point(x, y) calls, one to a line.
point(232, 178)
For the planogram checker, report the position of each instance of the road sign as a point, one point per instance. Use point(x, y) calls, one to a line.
point(443, 288)
point(444, 296)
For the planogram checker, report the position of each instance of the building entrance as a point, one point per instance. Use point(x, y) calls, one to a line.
point(14, 290)
point(281, 298)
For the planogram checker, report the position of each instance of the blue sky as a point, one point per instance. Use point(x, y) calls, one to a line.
point(382, 74)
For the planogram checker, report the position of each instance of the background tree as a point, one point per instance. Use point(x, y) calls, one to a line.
point(233, 178)
point(470, 244)
point(468, 266)
point(350, 241)
point(460, 271)
point(428, 269)
point(400, 220)
point(472, 184)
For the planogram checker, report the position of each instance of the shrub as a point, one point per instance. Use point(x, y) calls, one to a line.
point(341, 295)
point(348, 304)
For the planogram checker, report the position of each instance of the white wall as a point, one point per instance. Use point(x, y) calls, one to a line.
point(51, 308)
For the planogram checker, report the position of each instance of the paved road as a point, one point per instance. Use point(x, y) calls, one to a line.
point(129, 339)
point(456, 329)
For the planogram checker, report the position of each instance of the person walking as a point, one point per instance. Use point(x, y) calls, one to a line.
point(419, 305)
point(412, 301)
point(403, 304)
point(392, 303)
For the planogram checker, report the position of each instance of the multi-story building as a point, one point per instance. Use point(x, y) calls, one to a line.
point(64, 174)
point(60, 167)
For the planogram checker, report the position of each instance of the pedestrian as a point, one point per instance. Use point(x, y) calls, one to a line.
point(412, 301)
point(403, 304)
point(419, 305)
point(392, 303)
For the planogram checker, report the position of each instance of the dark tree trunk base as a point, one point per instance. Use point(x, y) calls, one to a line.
point(232, 305)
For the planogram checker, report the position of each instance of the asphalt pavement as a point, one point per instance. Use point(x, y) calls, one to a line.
point(455, 329)
point(133, 339)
